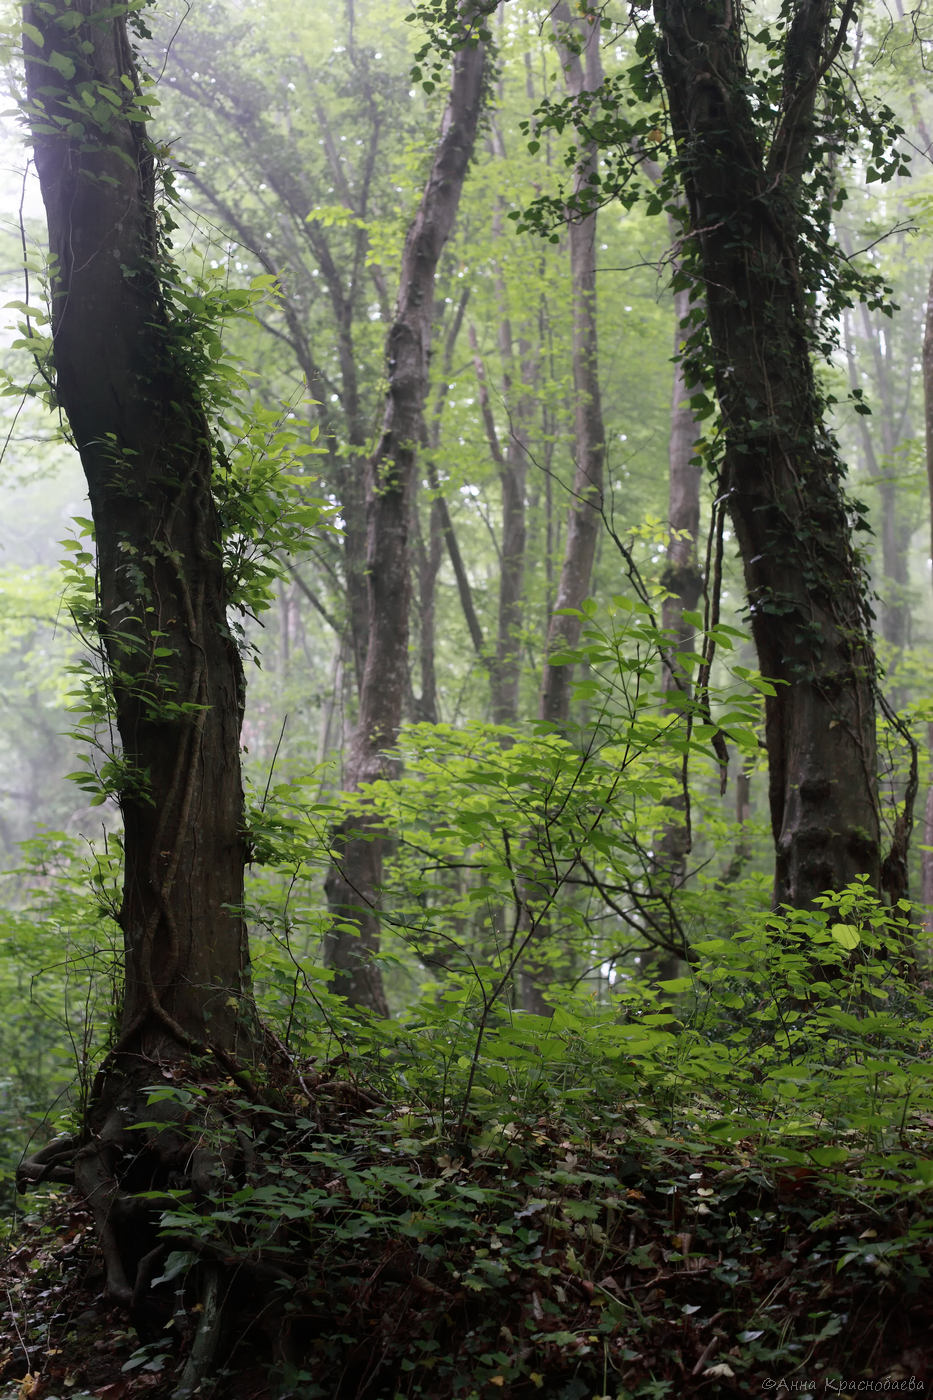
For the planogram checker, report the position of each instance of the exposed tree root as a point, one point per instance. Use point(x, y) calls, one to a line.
point(206, 1338)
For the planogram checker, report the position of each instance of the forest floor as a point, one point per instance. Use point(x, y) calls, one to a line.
point(532, 1264)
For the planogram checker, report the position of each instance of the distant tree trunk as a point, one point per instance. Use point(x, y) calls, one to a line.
point(519, 377)
point(584, 517)
point(682, 577)
point(238, 103)
point(895, 532)
point(926, 855)
point(429, 564)
point(505, 666)
point(355, 878)
point(123, 378)
point(783, 479)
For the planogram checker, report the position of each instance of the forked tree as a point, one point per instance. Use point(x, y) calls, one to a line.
point(354, 879)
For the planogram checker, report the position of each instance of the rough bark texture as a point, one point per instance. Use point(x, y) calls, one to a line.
point(123, 378)
point(783, 480)
point(145, 446)
point(355, 877)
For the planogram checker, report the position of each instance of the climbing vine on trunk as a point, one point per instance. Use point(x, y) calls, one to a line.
point(128, 374)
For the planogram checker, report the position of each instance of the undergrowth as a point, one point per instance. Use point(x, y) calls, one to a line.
point(712, 1186)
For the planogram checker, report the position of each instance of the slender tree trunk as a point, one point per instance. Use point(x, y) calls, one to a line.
point(783, 480)
point(584, 519)
point(505, 666)
point(926, 855)
point(582, 72)
point(682, 577)
point(429, 564)
point(354, 881)
point(122, 368)
point(895, 530)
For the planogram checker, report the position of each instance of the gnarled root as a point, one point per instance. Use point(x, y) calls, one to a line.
point(206, 1338)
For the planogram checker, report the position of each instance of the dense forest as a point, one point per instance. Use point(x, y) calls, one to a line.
point(466, 767)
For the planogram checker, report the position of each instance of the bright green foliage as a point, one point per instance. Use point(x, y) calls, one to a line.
point(497, 1195)
point(59, 975)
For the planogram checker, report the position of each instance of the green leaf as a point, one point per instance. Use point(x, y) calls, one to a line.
point(62, 64)
point(846, 935)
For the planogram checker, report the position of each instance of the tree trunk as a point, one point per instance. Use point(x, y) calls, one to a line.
point(584, 519)
point(806, 590)
point(124, 378)
point(682, 577)
point(926, 856)
point(895, 532)
point(354, 881)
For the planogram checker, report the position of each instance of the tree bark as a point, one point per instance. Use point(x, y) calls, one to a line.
point(123, 376)
point(584, 519)
point(682, 577)
point(806, 589)
point(355, 876)
point(926, 855)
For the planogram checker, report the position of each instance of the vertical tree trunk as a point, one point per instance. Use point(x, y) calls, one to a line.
point(354, 881)
point(926, 856)
point(806, 589)
point(895, 529)
point(682, 577)
point(584, 519)
point(505, 666)
point(124, 378)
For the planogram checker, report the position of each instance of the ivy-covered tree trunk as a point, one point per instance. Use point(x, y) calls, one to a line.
point(126, 376)
point(354, 880)
point(780, 471)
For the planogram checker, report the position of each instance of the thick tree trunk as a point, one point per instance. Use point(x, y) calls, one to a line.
point(354, 881)
point(784, 483)
point(123, 377)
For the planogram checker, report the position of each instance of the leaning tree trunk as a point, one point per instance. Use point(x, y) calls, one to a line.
point(355, 877)
point(806, 590)
point(124, 378)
